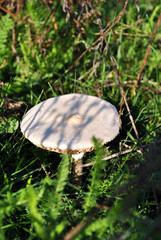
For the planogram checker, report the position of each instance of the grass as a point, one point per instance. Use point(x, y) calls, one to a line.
point(120, 197)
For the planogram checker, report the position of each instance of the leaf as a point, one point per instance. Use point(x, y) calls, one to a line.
point(96, 174)
point(9, 127)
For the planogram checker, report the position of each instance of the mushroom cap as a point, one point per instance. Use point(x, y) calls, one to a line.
point(67, 123)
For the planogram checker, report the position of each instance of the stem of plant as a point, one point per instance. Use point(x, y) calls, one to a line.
point(78, 168)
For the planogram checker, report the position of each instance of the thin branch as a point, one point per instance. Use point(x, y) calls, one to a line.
point(125, 99)
point(99, 39)
point(4, 62)
point(6, 11)
point(132, 34)
point(81, 225)
point(115, 155)
point(111, 156)
point(146, 57)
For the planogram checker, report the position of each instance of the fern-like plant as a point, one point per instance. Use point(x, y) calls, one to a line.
point(95, 177)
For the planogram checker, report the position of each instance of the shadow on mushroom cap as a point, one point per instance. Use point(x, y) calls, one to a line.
point(66, 124)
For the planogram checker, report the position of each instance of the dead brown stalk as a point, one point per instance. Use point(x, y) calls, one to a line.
point(4, 63)
point(99, 39)
point(137, 83)
point(115, 155)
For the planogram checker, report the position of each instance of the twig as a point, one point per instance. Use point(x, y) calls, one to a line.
point(125, 99)
point(3, 119)
point(157, 91)
point(45, 171)
point(99, 39)
point(4, 62)
point(132, 34)
point(81, 225)
point(130, 84)
point(121, 111)
point(90, 71)
point(137, 6)
point(146, 57)
point(6, 11)
point(114, 155)
point(20, 5)
point(111, 156)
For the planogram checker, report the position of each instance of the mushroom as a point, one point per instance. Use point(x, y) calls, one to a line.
point(67, 123)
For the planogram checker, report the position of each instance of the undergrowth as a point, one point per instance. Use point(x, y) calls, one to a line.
point(51, 48)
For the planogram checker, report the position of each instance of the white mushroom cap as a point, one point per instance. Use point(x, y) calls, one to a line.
point(66, 124)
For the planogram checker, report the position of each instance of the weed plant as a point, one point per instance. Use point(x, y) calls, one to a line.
point(50, 48)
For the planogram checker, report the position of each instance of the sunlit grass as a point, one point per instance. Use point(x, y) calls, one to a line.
point(118, 200)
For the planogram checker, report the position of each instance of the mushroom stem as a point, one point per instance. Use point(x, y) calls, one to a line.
point(78, 168)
